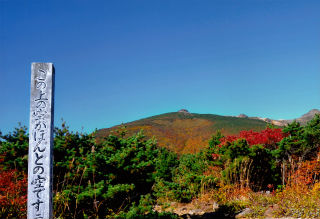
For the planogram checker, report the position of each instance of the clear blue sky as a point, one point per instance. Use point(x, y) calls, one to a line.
point(119, 61)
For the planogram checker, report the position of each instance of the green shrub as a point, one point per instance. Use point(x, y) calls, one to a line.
point(187, 179)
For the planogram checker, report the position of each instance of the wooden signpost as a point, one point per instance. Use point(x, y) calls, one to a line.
point(41, 141)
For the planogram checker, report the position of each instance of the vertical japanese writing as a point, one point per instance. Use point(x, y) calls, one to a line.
point(39, 135)
point(40, 142)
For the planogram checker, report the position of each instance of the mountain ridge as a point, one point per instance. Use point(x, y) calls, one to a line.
point(302, 119)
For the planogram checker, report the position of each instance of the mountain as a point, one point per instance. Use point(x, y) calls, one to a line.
point(186, 132)
point(302, 120)
point(308, 116)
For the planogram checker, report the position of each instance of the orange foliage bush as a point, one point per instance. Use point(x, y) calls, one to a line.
point(301, 196)
point(307, 173)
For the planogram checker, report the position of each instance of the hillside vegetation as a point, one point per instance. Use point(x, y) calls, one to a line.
point(186, 132)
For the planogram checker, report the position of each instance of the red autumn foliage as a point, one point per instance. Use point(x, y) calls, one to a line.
point(215, 156)
point(268, 137)
point(13, 193)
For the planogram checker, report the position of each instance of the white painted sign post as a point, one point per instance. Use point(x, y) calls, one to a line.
point(41, 141)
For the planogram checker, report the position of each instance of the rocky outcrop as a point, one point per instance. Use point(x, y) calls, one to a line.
point(195, 209)
point(184, 111)
point(242, 116)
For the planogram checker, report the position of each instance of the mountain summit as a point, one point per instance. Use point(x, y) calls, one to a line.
point(242, 116)
point(308, 116)
point(184, 111)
